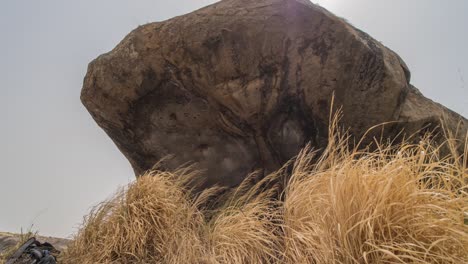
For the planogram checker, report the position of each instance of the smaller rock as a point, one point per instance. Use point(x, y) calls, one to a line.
point(9, 240)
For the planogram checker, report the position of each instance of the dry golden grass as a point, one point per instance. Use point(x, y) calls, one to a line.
point(151, 221)
point(404, 203)
point(401, 205)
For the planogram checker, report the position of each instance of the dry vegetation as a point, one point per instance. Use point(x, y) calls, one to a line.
point(403, 203)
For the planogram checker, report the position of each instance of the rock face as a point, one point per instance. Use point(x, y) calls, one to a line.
point(242, 85)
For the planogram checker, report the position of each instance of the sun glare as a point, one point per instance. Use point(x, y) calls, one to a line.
point(328, 4)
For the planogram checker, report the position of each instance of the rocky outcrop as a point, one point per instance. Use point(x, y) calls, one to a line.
point(242, 85)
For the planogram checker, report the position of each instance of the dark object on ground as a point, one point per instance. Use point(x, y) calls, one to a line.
point(242, 85)
point(34, 252)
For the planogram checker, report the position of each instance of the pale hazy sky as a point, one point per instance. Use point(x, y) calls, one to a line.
point(56, 162)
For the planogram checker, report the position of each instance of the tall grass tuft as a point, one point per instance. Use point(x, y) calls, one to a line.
point(153, 220)
point(399, 203)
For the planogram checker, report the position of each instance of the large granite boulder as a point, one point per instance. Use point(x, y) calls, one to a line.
point(242, 85)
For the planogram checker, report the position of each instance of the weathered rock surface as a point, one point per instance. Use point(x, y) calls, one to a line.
point(241, 85)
